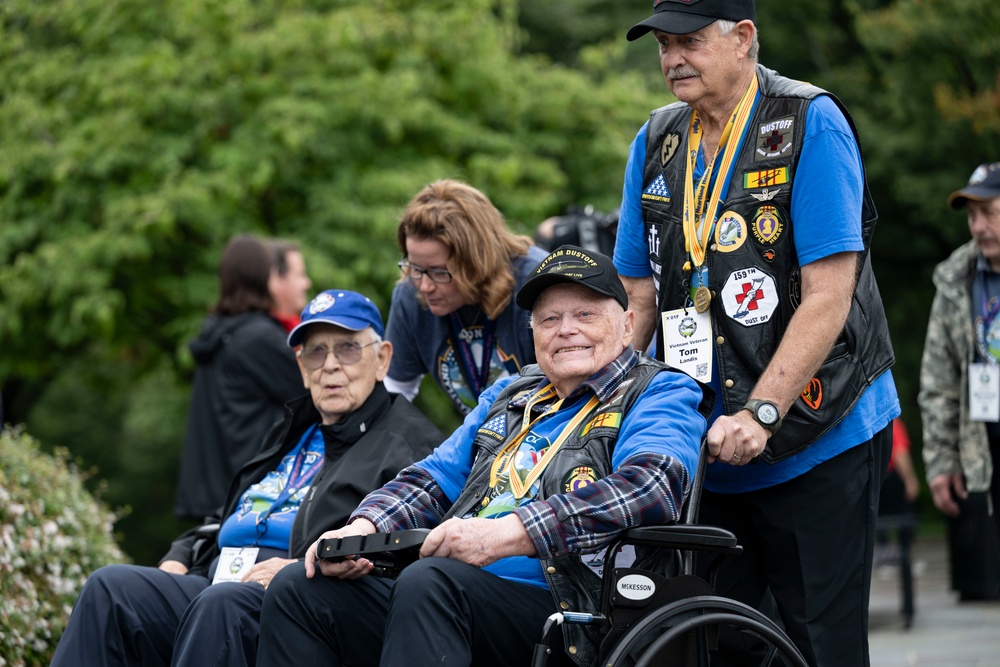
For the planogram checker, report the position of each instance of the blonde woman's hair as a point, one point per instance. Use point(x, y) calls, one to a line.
point(481, 248)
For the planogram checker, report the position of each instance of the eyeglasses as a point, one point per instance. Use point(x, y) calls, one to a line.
point(314, 358)
point(416, 274)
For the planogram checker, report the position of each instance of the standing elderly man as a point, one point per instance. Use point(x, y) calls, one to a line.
point(960, 377)
point(201, 606)
point(743, 243)
point(552, 463)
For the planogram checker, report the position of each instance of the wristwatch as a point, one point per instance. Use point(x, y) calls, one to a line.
point(764, 413)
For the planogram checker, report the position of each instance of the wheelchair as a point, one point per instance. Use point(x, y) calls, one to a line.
point(647, 618)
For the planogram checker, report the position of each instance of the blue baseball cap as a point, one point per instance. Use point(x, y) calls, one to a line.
point(348, 310)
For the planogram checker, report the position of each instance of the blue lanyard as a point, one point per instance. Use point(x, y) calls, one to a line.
point(477, 379)
point(311, 442)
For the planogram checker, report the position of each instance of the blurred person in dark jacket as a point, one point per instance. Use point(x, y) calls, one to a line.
point(244, 375)
point(201, 605)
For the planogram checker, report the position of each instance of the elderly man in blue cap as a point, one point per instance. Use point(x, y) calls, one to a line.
point(201, 605)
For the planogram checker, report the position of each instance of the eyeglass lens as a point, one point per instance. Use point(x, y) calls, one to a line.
point(346, 353)
point(416, 273)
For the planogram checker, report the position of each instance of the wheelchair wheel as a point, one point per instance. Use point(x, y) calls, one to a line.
point(686, 633)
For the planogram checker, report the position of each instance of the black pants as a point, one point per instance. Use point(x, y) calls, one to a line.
point(131, 615)
point(438, 612)
point(810, 541)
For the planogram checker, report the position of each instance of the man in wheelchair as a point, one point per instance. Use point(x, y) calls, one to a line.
point(551, 465)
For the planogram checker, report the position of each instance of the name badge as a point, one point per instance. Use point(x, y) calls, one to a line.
point(234, 563)
point(687, 342)
point(984, 392)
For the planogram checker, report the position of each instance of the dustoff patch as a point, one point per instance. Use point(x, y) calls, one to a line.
point(605, 420)
point(577, 478)
point(812, 395)
point(767, 225)
point(764, 178)
point(730, 232)
point(657, 190)
point(774, 139)
point(495, 428)
point(749, 296)
point(669, 148)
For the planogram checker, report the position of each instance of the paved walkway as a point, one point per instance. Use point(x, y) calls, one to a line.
point(945, 633)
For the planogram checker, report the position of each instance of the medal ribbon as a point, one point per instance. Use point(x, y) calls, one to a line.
point(504, 461)
point(699, 219)
point(990, 309)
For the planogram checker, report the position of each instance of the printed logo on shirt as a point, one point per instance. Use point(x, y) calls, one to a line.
point(767, 225)
point(759, 179)
point(730, 232)
point(669, 148)
point(449, 371)
point(577, 478)
point(812, 395)
point(496, 428)
point(657, 190)
point(749, 296)
point(605, 419)
point(774, 139)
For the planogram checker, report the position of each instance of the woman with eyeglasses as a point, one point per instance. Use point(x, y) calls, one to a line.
point(453, 312)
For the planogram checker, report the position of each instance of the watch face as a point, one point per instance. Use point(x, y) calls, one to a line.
point(767, 413)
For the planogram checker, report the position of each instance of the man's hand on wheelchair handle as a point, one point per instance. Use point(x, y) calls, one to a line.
point(477, 541)
point(346, 569)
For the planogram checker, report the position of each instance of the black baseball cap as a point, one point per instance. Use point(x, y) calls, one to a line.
point(682, 17)
point(573, 264)
point(983, 184)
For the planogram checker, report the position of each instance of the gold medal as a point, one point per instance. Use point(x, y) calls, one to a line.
point(702, 298)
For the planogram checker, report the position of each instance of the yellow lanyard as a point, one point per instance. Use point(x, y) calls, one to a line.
point(699, 219)
point(504, 461)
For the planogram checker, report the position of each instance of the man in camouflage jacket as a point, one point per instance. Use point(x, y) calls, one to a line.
point(963, 334)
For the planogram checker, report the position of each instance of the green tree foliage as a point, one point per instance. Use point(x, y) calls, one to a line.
point(53, 534)
point(137, 137)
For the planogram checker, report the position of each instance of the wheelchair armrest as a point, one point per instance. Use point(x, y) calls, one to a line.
point(683, 537)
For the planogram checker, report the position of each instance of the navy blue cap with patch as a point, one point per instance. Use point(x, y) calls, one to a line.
point(348, 310)
point(573, 264)
point(984, 184)
point(682, 17)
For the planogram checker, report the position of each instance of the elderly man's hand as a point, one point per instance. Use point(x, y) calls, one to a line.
point(263, 572)
point(942, 489)
point(479, 542)
point(735, 439)
point(173, 567)
point(346, 569)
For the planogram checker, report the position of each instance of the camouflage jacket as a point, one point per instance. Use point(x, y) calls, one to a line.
point(952, 442)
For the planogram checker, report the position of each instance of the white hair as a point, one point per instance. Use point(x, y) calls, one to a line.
point(725, 27)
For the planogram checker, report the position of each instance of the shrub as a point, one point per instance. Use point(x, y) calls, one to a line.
point(53, 533)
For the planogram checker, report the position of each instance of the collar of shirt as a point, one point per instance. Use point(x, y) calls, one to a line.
point(602, 383)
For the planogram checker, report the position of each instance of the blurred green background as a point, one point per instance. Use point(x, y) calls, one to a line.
point(136, 137)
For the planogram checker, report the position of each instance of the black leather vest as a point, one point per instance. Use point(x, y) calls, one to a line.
point(573, 585)
point(753, 269)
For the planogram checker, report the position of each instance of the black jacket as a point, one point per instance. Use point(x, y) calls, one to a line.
point(363, 452)
point(244, 376)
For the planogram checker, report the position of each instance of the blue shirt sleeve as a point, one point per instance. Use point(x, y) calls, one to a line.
point(664, 420)
point(451, 462)
point(631, 253)
point(826, 199)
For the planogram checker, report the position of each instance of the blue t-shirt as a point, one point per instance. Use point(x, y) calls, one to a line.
point(826, 216)
point(421, 341)
point(658, 423)
point(266, 510)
